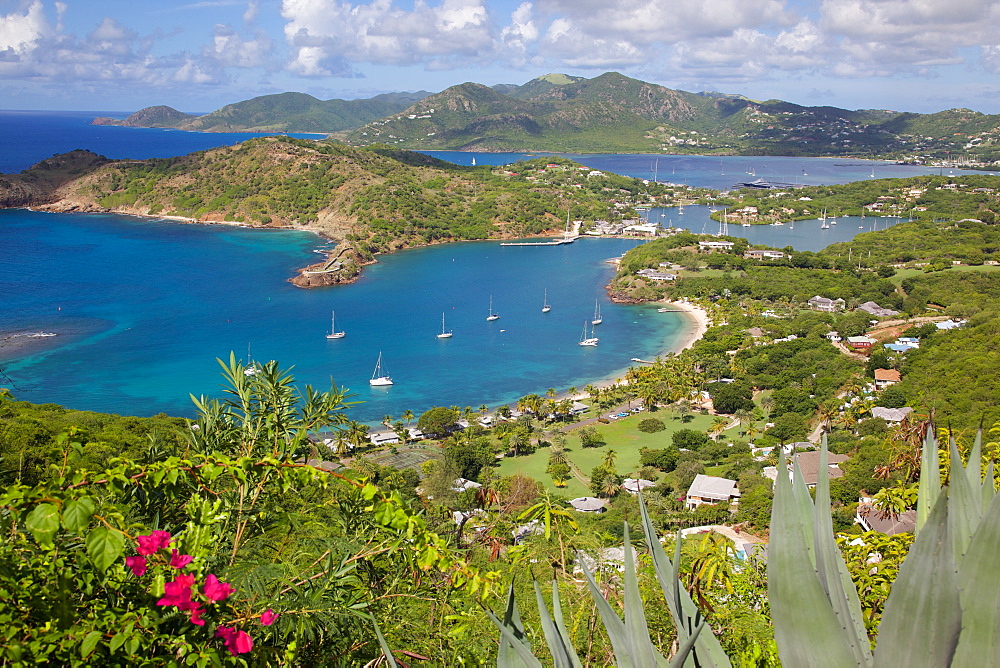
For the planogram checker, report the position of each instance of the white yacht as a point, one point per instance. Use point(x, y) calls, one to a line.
point(492, 315)
point(334, 334)
point(379, 376)
point(588, 340)
point(444, 334)
point(597, 313)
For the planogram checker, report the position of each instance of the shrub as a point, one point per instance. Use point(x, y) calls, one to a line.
point(651, 425)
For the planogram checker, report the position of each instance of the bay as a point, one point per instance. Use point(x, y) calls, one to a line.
point(140, 308)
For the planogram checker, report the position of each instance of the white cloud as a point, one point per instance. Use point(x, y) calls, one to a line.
point(20, 33)
point(325, 34)
point(228, 49)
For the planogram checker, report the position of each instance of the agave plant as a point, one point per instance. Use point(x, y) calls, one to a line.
point(630, 641)
point(942, 609)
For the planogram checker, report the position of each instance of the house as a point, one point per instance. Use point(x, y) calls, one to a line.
point(949, 324)
point(716, 245)
point(589, 504)
point(383, 437)
point(872, 519)
point(909, 341)
point(809, 466)
point(755, 332)
point(833, 336)
point(818, 303)
point(876, 310)
point(891, 414)
point(860, 342)
point(654, 275)
point(578, 407)
point(710, 489)
point(463, 485)
point(635, 485)
point(886, 377)
point(763, 254)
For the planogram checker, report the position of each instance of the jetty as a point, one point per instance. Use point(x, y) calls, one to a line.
point(554, 242)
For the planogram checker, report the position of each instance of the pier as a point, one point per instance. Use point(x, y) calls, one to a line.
point(554, 242)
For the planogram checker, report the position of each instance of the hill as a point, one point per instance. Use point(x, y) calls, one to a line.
point(160, 116)
point(372, 200)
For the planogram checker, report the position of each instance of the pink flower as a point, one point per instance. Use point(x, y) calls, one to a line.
point(215, 590)
point(268, 617)
point(137, 564)
point(196, 612)
point(153, 542)
point(237, 642)
point(178, 560)
point(178, 592)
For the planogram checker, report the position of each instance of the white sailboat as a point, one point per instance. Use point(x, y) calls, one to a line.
point(492, 315)
point(825, 225)
point(444, 334)
point(251, 368)
point(597, 313)
point(379, 376)
point(588, 340)
point(545, 302)
point(473, 161)
point(334, 334)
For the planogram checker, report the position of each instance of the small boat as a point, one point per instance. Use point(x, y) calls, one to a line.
point(444, 334)
point(597, 314)
point(379, 376)
point(334, 334)
point(588, 340)
point(825, 225)
point(492, 315)
point(663, 310)
point(251, 368)
point(545, 302)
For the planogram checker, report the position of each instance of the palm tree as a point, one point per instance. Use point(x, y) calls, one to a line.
point(408, 416)
point(553, 517)
point(609, 459)
point(611, 485)
point(767, 403)
point(387, 421)
point(719, 425)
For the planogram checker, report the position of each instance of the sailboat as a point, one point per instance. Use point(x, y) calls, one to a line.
point(473, 161)
point(379, 376)
point(597, 314)
point(334, 334)
point(545, 302)
point(588, 340)
point(492, 315)
point(825, 225)
point(444, 334)
point(251, 367)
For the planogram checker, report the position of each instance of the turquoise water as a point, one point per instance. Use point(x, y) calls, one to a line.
point(142, 308)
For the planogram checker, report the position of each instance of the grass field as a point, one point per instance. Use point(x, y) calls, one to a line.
point(623, 436)
point(907, 273)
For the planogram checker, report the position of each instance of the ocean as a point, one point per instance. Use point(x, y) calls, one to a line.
point(127, 315)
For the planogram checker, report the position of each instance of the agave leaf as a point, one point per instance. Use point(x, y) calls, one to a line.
point(923, 616)
point(974, 467)
point(806, 628)
point(965, 508)
point(684, 651)
point(804, 511)
point(641, 649)
point(832, 570)
point(978, 582)
point(508, 654)
point(557, 616)
point(989, 489)
point(612, 622)
point(556, 637)
point(386, 652)
point(708, 652)
point(520, 655)
point(930, 479)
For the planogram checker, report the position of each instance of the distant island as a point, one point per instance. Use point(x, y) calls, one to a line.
point(610, 113)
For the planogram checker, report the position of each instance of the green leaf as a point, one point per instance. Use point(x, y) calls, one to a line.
point(978, 581)
point(386, 652)
point(76, 514)
point(930, 479)
point(89, 643)
point(563, 655)
point(105, 546)
point(527, 659)
point(641, 650)
point(117, 641)
point(922, 619)
point(43, 522)
point(806, 628)
point(965, 508)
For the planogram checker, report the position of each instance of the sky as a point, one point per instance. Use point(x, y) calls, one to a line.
point(196, 56)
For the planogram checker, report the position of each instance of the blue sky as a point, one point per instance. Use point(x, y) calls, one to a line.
point(122, 55)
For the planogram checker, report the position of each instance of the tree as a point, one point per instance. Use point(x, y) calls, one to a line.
point(789, 427)
point(731, 397)
point(892, 397)
point(553, 517)
point(590, 437)
point(664, 460)
point(688, 439)
point(719, 425)
point(438, 421)
point(651, 425)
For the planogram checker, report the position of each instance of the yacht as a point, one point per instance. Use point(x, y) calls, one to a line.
point(379, 376)
point(588, 340)
point(444, 334)
point(597, 313)
point(545, 302)
point(334, 334)
point(492, 315)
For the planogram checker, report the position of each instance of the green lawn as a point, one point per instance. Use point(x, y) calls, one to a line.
point(623, 436)
point(907, 273)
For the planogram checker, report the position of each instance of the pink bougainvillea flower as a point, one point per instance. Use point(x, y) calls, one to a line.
point(137, 564)
point(196, 612)
point(237, 642)
point(178, 560)
point(215, 590)
point(178, 592)
point(155, 541)
point(268, 617)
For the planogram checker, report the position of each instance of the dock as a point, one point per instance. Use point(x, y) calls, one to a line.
point(554, 242)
